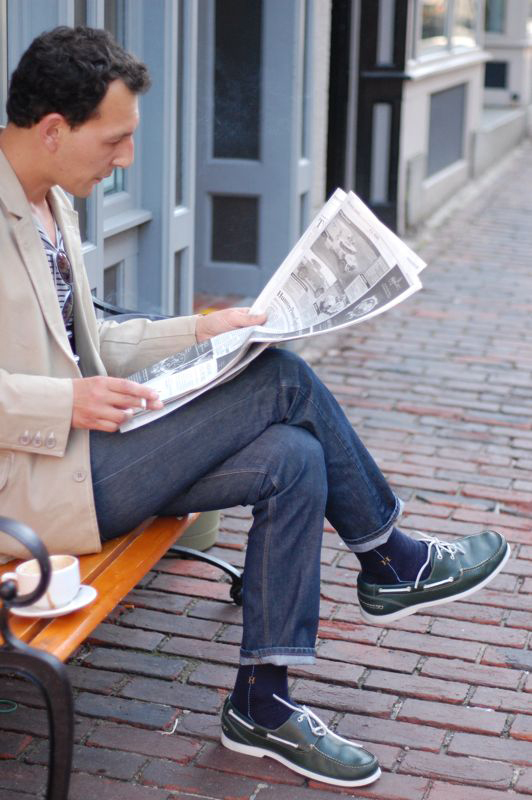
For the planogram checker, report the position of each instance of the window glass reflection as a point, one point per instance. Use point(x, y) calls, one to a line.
point(433, 23)
point(114, 182)
point(115, 23)
point(495, 16)
point(80, 12)
point(465, 12)
point(237, 79)
point(81, 206)
point(115, 19)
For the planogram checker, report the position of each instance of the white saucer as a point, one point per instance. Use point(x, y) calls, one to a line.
point(85, 596)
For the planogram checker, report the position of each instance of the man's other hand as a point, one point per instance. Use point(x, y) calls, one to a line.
point(228, 319)
point(103, 404)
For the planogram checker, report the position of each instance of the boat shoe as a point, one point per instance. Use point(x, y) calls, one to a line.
point(458, 569)
point(304, 744)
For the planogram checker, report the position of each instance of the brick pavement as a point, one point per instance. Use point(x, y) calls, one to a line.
point(440, 389)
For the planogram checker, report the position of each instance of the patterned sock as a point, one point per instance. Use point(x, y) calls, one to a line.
point(253, 694)
point(399, 559)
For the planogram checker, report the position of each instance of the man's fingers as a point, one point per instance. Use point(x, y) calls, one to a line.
point(131, 389)
point(104, 425)
point(125, 401)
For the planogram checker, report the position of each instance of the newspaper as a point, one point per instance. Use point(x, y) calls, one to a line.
point(347, 267)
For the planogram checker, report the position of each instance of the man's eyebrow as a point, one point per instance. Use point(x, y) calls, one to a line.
point(121, 134)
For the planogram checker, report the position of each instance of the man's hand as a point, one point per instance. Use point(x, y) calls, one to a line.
point(103, 404)
point(228, 319)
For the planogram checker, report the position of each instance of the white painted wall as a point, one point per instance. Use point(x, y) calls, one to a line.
point(418, 195)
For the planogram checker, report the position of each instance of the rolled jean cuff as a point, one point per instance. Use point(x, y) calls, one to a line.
point(279, 656)
point(381, 536)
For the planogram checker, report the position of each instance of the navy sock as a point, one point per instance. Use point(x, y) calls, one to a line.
point(253, 694)
point(399, 559)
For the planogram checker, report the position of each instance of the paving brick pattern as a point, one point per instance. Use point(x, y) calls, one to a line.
point(440, 389)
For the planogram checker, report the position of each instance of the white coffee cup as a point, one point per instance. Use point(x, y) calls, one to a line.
point(64, 581)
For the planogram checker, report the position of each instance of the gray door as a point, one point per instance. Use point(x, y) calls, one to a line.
point(252, 172)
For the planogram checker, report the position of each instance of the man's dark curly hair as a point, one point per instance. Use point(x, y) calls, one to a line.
point(67, 71)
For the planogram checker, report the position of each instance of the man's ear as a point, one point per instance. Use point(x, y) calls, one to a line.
point(51, 130)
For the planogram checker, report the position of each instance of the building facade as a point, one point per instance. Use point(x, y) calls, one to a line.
point(260, 108)
point(224, 177)
point(425, 96)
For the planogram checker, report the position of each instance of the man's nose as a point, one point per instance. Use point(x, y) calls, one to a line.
point(125, 154)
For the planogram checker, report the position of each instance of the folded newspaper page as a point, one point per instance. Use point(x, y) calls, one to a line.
point(347, 267)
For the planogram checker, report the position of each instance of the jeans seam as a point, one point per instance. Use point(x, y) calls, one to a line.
point(265, 562)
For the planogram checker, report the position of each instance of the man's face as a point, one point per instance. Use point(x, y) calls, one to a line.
point(89, 153)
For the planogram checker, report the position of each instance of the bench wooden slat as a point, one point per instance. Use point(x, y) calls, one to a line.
point(113, 572)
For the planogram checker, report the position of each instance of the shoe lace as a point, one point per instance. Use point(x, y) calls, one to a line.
point(317, 726)
point(450, 548)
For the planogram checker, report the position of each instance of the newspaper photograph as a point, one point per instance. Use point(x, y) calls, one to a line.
point(346, 268)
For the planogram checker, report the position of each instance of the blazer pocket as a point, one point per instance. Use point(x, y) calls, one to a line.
point(6, 460)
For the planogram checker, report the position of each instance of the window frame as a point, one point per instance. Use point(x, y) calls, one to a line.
point(423, 54)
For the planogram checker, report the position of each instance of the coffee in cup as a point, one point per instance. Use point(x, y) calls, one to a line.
point(64, 580)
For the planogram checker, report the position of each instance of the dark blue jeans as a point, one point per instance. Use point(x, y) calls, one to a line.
point(274, 438)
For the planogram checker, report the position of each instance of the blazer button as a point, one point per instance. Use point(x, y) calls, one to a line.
point(51, 441)
point(37, 439)
point(24, 438)
point(79, 475)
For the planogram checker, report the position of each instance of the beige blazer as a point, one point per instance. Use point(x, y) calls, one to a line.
point(45, 476)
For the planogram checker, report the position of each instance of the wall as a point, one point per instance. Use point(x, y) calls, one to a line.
point(420, 195)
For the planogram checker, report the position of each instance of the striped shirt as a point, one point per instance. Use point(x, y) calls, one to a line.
point(62, 288)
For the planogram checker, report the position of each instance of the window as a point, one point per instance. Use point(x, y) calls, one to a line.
point(80, 12)
point(496, 75)
point(81, 206)
point(114, 182)
point(464, 23)
point(237, 74)
point(495, 16)
point(115, 23)
point(434, 23)
point(447, 24)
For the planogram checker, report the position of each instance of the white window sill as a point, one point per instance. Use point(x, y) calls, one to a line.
point(447, 61)
point(127, 219)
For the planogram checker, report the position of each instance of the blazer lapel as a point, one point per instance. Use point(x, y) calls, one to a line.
point(33, 257)
point(86, 347)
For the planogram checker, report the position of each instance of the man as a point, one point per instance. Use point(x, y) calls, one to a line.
point(273, 437)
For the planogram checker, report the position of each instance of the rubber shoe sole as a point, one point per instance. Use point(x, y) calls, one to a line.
point(380, 596)
point(250, 750)
point(303, 744)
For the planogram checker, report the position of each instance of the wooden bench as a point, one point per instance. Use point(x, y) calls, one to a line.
point(37, 647)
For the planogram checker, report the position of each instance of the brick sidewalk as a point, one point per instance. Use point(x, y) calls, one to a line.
point(440, 390)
